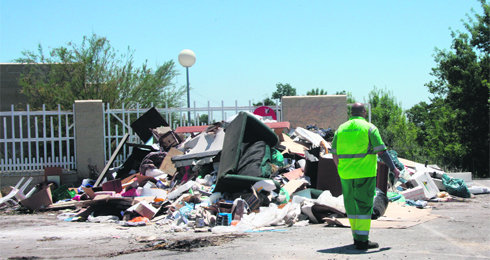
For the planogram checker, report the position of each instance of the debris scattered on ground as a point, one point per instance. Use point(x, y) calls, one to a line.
point(242, 175)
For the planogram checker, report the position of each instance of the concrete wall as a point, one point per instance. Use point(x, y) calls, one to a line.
point(89, 133)
point(328, 111)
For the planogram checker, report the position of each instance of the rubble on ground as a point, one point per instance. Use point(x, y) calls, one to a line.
point(233, 176)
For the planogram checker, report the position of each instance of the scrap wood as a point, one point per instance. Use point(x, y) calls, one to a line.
point(103, 199)
point(111, 160)
point(167, 165)
point(64, 205)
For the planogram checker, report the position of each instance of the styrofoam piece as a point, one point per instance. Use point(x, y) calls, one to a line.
point(154, 173)
point(465, 176)
point(424, 180)
point(267, 185)
point(181, 189)
point(159, 193)
point(439, 184)
point(416, 193)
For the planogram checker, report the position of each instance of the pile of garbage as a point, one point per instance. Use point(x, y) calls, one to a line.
point(421, 183)
point(241, 174)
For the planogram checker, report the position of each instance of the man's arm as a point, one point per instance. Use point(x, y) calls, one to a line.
point(387, 159)
point(335, 160)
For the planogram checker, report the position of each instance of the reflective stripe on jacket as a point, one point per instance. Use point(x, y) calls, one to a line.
point(356, 143)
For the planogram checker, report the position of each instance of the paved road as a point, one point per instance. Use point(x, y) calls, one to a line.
point(461, 232)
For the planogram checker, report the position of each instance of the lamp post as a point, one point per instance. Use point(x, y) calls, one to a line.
point(187, 58)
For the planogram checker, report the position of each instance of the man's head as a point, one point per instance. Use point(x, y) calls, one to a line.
point(358, 109)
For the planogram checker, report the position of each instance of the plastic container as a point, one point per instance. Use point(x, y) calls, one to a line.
point(424, 180)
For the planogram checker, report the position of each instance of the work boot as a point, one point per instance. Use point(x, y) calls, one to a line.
point(365, 245)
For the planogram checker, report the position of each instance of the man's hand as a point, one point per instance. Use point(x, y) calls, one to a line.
point(323, 144)
point(397, 173)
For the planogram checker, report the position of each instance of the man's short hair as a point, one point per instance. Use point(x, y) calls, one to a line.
point(358, 109)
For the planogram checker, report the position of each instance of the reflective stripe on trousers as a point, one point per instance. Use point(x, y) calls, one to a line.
point(358, 201)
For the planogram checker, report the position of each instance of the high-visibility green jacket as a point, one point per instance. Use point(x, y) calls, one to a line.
point(356, 144)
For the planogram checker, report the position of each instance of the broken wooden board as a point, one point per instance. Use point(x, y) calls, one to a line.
point(168, 166)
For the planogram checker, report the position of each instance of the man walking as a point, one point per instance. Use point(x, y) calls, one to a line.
point(355, 147)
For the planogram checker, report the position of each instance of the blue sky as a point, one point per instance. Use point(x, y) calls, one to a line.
point(244, 48)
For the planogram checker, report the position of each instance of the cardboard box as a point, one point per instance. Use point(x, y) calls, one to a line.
point(424, 180)
point(39, 200)
point(145, 209)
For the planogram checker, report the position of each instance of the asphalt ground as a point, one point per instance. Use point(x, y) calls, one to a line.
point(461, 231)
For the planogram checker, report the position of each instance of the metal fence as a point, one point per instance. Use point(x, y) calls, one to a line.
point(33, 140)
point(118, 121)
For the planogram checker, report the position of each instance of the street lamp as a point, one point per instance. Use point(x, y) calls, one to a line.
point(187, 58)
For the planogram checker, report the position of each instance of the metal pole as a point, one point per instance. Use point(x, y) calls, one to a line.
point(188, 96)
point(369, 106)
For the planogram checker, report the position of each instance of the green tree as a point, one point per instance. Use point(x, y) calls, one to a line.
point(350, 97)
point(283, 90)
point(316, 92)
point(266, 102)
point(203, 118)
point(436, 134)
point(397, 132)
point(459, 117)
point(95, 70)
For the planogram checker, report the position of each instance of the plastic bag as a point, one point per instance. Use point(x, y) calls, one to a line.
point(380, 204)
point(455, 187)
point(62, 193)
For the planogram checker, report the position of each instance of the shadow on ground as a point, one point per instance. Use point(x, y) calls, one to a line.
point(350, 250)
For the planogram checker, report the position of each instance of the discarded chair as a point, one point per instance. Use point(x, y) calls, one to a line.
point(16, 194)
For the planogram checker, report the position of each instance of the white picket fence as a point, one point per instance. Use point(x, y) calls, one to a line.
point(33, 140)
